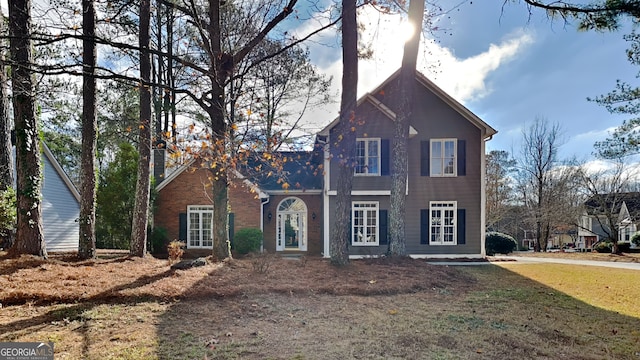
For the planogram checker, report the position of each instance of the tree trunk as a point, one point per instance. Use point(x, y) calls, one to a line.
point(87, 245)
point(397, 213)
point(344, 147)
point(6, 162)
point(29, 235)
point(141, 207)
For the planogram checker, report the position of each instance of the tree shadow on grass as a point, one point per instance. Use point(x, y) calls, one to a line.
point(474, 312)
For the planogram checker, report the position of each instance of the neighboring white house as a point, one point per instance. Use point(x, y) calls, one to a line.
point(60, 206)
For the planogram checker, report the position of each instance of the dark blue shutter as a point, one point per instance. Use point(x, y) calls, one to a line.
point(424, 158)
point(231, 227)
point(383, 229)
point(384, 157)
point(182, 232)
point(424, 226)
point(462, 154)
point(461, 226)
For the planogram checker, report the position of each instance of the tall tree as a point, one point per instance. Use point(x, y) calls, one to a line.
point(87, 239)
point(498, 187)
point(143, 184)
point(624, 99)
point(29, 234)
point(6, 162)
point(400, 165)
point(343, 144)
point(539, 155)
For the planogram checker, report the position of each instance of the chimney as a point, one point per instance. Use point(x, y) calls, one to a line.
point(159, 160)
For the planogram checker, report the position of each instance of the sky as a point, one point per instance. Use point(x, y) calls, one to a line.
point(506, 66)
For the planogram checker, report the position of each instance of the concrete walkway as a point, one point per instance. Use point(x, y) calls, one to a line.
point(537, 260)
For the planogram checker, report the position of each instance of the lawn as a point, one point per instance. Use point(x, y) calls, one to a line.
point(274, 308)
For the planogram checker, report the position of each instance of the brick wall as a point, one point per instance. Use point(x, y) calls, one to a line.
point(190, 188)
point(314, 226)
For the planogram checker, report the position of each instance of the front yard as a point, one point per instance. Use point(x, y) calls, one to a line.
point(274, 308)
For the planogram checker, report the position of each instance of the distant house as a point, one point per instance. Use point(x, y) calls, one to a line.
point(60, 206)
point(445, 192)
point(596, 225)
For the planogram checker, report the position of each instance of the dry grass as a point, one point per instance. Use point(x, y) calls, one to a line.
point(121, 308)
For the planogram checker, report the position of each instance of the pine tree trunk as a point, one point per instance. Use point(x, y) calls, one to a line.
point(141, 207)
point(343, 149)
point(29, 235)
point(6, 162)
point(87, 245)
point(399, 154)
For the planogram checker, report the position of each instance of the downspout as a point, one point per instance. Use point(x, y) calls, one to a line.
point(263, 202)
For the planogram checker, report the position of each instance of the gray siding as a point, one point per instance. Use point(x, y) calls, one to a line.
point(432, 119)
point(60, 211)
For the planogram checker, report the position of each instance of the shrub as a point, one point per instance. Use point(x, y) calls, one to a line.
point(7, 211)
point(175, 250)
point(247, 240)
point(158, 239)
point(602, 247)
point(636, 239)
point(624, 246)
point(499, 243)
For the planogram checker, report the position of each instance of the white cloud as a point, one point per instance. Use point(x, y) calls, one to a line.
point(464, 79)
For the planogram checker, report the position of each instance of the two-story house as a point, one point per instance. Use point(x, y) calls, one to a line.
point(606, 216)
point(445, 208)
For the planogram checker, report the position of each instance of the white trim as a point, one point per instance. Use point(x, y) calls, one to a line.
point(447, 256)
point(174, 174)
point(483, 198)
point(424, 256)
point(376, 209)
point(253, 186)
point(455, 222)
point(325, 202)
point(293, 192)
point(302, 232)
point(443, 142)
point(362, 192)
point(366, 142)
point(56, 165)
point(200, 209)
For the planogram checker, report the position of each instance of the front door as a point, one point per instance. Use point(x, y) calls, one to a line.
point(292, 225)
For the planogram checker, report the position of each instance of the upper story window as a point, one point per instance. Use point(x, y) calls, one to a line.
point(443, 157)
point(367, 157)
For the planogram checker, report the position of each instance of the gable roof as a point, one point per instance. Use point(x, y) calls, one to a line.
point(597, 204)
point(487, 131)
point(63, 175)
point(299, 169)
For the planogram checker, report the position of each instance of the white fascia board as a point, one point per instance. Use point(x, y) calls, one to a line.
point(363, 192)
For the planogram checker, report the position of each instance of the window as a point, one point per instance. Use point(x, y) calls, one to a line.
point(200, 226)
point(443, 157)
point(367, 157)
point(364, 217)
point(442, 227)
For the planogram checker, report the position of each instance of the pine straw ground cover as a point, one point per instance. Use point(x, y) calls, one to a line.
point(274, 308)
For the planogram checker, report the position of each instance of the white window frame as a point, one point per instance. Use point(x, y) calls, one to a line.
point(200, 210)
point(368, 208)
point(439, 222)
point(365, 168)
point(440, 161)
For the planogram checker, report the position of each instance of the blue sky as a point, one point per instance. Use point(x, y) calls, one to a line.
point(506, 67)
